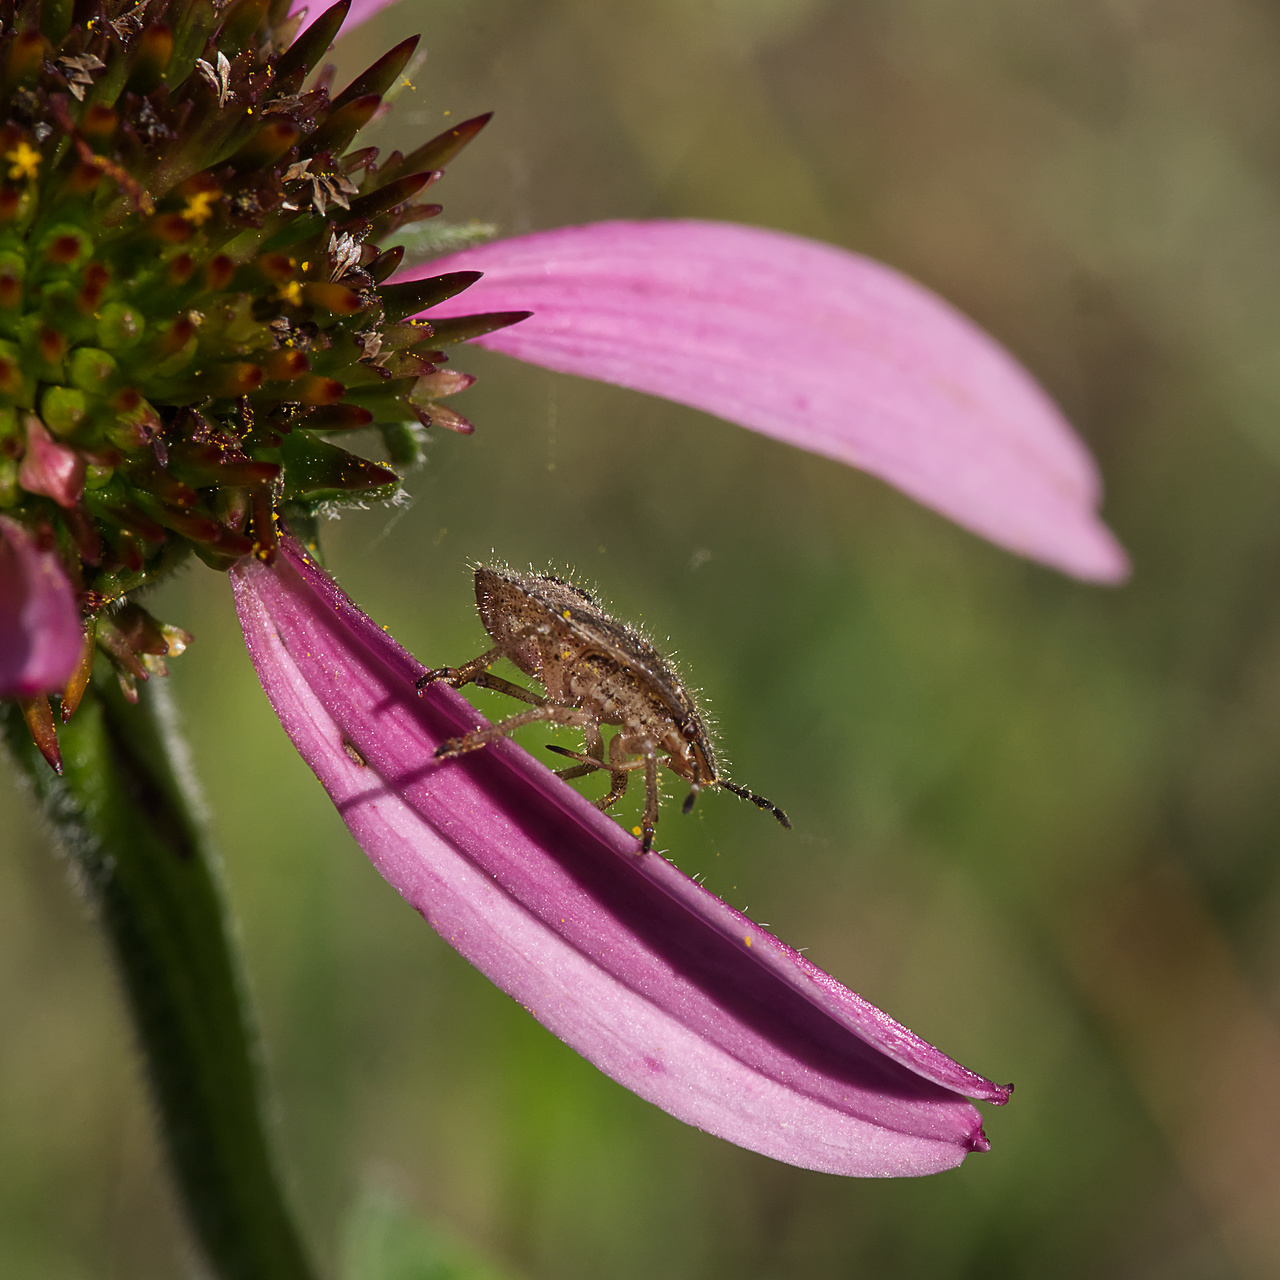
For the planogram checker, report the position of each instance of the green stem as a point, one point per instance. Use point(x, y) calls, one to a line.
point(124, 810)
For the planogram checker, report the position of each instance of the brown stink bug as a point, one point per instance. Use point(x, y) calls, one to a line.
point(595, 671)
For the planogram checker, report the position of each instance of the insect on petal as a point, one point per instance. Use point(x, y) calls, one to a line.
point(661, 985)
point(813, 345)
point(41, 633)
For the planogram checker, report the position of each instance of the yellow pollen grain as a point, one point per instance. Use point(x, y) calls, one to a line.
point(200, 207)
point(635, 831)
point(566, 614)
point(747, 941)
point(25, 161)
point(292, 293)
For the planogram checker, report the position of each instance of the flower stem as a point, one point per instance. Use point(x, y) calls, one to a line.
point(124, 810)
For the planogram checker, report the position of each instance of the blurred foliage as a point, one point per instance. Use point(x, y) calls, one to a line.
point(1036, 821)
point(384, 1241)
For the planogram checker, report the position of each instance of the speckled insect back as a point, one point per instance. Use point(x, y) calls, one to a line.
point(596, 671)
point(192, 292)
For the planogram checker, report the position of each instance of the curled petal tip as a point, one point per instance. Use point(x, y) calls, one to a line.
point(624, 958)
point(1109, 565)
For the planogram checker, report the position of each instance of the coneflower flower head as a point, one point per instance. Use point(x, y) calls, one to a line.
point(192, 296)
point(199, 296)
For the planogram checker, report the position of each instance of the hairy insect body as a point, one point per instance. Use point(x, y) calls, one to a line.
point(554, 632)
point(595, 671)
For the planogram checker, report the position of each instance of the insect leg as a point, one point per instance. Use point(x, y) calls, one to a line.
point(591, 760)
point(619, 771)
point(477, 738)
point(590, 765)
point(647, 750)
point(458, 676)
point(617, 790)
point(649, 820)
point(577, 771)
point(487, 680)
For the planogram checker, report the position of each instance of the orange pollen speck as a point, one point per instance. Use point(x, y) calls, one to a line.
point(200, 207)
point(25, 160)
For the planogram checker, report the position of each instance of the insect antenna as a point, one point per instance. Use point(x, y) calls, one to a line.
point(759, 801)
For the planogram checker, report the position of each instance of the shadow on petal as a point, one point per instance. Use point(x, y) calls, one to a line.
point(657, 982)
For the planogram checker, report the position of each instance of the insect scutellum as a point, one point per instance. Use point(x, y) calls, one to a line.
point(595, 671)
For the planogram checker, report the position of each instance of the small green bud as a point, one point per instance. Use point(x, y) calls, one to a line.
point(13, 271)
point(90, 368)
point(119, 325)
point(134, 428)
point(59, 310)
point(404, 443)
point(63, 409)
point(65, 245)
point(12, 383)
point(96, 477)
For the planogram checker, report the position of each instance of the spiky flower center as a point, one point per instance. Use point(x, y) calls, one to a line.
point(192, 288)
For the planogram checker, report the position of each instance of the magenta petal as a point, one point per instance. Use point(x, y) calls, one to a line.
point(49, 467)
point(811, 344)
point(41, 632)
point(663, 986)
point(361, 11)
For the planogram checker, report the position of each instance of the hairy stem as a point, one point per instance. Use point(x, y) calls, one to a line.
point(124, 810)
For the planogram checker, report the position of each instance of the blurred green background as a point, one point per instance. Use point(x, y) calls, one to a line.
point(1036, 821)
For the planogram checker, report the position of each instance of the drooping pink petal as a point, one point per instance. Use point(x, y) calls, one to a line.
point(811, 344)
point(41, 632)
point(49, 467)
point(361, 11)
point(663, 986)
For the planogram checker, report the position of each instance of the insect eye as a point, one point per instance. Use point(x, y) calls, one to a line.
point(688, 730)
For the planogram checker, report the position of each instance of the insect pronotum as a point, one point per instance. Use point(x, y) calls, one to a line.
point(596, 671)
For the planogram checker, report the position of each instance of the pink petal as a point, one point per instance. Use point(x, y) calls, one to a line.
point(813, 345)
point(663, 986)
point(361, 11)
point(41, 632)
point(51, 468)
